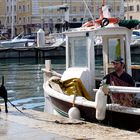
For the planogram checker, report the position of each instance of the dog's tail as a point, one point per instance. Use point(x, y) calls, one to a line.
point(2, 80)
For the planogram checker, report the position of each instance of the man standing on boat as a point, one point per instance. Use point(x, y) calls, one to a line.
point(120, 78)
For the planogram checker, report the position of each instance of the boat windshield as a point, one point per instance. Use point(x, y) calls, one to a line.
point(78, 52)
point(114, 49)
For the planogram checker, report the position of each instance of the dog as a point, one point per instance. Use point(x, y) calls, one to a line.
point(3, 94)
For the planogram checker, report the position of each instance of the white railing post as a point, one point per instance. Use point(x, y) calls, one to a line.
point(48, 68)
point(48, 65)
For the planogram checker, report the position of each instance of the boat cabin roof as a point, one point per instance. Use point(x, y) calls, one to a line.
point(100, 31)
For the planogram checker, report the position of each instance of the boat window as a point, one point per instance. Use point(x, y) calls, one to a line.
point(78, 52)
point(114, 49)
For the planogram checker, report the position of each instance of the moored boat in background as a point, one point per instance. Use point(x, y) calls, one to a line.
point(19, 41)
point(135, 38)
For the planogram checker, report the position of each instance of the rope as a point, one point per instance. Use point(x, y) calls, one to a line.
point(33, 117)
point(15, 106)
point(44, 120)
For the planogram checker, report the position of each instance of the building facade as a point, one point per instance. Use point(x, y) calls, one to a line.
point(52, 15)
point(24, 14)
point(79, 11)
point(132, 9)
point(11, 17)
point(2, 15)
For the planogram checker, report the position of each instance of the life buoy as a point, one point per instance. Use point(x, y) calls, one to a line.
point(102, 22)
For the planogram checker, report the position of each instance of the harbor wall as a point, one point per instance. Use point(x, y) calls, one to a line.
point(43, 52)
point(32, 52)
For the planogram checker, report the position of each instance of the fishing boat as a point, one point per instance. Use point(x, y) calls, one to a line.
point(78, 92)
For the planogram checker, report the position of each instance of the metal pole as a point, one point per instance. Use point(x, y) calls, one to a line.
point(12, 16)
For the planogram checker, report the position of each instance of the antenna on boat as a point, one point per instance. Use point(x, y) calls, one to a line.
point(122, 9)
point(12, 24)
point(100, 10)
point(88, 9)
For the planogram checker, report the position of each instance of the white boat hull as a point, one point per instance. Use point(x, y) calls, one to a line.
point(116, 115)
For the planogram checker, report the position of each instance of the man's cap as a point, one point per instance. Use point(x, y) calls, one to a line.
point(117, 60)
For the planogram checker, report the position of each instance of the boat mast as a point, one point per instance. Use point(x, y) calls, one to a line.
point(88, 10)
point(12, 24)
point(104, 2)
point(122, 9)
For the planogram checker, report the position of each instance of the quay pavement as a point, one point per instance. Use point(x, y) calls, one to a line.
point(35, 125)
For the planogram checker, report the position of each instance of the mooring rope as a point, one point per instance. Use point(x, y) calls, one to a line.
point(44, 120)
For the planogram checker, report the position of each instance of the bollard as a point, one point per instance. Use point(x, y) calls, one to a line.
point(48, 65)
point(47, 74)
point(40, 38)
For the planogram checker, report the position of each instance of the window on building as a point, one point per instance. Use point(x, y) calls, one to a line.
point(131, 17)
point(138, 8)
point(28, 19)
point(118, 8)
point(7, 9)
point(24, 8)
point(131, 8)
point(7, 19)
point(24, 20)
point(125, 9)
point(81, 8)
point(19, 20)
point(28, 8)
point(15, 8)
point(74, 9)
point(15, 19)
point(19, 8)
point(11, 8)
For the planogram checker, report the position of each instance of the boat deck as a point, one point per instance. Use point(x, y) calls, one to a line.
point(41, 126)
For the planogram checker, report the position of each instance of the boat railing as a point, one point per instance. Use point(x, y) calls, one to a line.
point(120, 89)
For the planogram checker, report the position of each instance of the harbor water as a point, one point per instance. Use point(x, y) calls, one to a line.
point(23, 80)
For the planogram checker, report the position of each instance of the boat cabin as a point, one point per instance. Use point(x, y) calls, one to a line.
point(81, 57)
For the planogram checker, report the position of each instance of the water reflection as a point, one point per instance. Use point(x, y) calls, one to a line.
point(24, 80)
